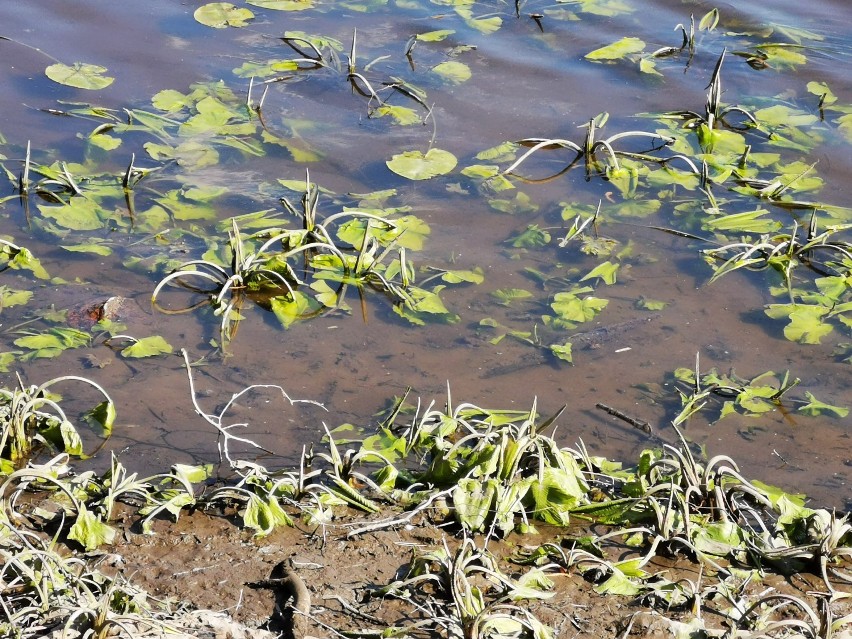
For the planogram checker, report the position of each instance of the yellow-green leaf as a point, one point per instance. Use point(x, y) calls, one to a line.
point(221, 15)
point(148, 347)
point(617, 50)
point(80, 75)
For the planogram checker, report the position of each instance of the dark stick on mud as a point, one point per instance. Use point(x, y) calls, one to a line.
point(292, 599)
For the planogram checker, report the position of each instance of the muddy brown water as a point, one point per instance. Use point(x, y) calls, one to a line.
point(524, 83)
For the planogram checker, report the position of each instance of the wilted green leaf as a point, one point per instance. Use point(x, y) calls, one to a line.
point(191, 474)
point(23, 259)
point(563, 352)
point(102, 418)
point(472, 499)
point(709, 20)
point(90, 531)
point(263, 516)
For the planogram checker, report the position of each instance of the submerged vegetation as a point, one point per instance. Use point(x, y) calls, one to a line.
point(155, 190)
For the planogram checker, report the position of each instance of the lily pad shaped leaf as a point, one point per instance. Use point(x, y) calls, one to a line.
point(81, 75)
point(416, 166)
point(221, 15)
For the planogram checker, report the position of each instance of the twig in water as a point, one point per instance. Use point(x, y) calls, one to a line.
point(641, 424)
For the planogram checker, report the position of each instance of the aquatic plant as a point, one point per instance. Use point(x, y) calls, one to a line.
point(588, 150)
point(31, 417)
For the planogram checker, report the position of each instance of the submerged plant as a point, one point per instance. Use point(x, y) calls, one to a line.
point(31, 418)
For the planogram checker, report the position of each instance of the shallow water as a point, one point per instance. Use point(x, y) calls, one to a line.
point(524, 82)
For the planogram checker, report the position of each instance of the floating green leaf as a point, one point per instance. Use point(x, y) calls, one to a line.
point(605, 271)
point(531, 237)
point(402, 115)
point(474, 276)
point(53, 342)
point(221, 15)
point(815, 407)
point(282, 5)
point(650, 304)
point(806, 325)
point(291, 309)
point(617, 50)
point(148, 347)
point(81, 75)
point(95, 248)
point(575, 310)
point(453, 70)
point(748, 222)
point(416, 166)
point(435, 36)
point(10, 297)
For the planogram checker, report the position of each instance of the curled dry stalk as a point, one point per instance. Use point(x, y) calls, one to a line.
point(225, 436)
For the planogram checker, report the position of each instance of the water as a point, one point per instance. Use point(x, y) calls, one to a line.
point(524, 83)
